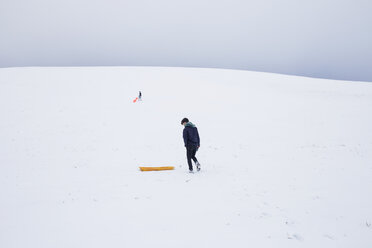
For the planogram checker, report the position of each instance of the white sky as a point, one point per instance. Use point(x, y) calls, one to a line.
point(319, 38)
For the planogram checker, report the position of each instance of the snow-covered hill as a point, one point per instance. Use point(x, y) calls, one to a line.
point(286, 161)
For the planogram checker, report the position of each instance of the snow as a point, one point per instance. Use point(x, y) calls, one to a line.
point(286, 161)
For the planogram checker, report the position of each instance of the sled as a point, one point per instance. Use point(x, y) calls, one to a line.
point(156, 168)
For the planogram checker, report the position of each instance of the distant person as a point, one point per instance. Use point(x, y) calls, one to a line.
point(140, 96)
point(192, 142)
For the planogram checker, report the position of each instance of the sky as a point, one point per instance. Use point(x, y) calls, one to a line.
point(317, 38)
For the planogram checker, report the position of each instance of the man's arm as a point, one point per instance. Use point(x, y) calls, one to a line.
point(185, 137)
point(197, 135)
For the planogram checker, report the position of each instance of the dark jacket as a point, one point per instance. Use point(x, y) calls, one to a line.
point(191, 135)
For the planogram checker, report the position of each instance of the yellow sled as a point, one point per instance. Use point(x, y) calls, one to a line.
point(156, 168)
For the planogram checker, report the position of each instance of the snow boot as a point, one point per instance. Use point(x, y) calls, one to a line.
point(197, 166)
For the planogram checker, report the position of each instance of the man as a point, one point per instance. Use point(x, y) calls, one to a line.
point(192, 142)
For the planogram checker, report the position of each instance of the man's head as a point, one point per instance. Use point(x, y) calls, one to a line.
point(184, 121)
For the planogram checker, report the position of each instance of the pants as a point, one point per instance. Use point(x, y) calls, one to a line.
point(190, 152)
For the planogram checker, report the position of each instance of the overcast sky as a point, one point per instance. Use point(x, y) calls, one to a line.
point(318, 38)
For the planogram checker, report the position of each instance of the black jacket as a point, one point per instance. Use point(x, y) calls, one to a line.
point(191, 135)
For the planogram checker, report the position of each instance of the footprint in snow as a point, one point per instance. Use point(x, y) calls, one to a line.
point(295, 236)
point(328, 236)
point(263, 215)
point(289, 223)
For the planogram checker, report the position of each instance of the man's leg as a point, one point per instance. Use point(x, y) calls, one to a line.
point(193, 154)
point(189, 155)
point(195, 159)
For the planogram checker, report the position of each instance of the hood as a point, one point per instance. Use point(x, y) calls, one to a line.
point(189, 124)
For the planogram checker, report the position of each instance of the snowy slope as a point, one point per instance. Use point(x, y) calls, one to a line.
point(286, 161)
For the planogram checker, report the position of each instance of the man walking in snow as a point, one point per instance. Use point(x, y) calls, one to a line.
point(192, 142)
